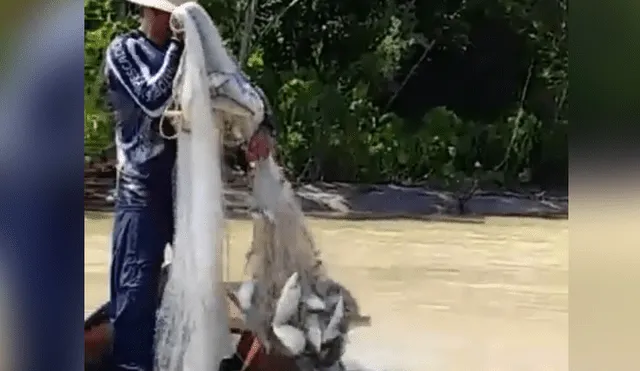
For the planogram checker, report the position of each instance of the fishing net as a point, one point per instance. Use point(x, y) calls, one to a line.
point(283, 245)
point(289, 303)
point(193, 324)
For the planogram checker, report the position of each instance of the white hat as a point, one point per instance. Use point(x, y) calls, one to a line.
point(164, 5)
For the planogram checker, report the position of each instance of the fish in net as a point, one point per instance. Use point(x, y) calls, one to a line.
point(290, 302)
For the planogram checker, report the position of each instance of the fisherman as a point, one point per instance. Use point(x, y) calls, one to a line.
point(140, 68)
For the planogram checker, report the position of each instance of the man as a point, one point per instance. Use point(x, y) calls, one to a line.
point(140, 69)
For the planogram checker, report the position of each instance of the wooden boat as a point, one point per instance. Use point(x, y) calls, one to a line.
point(98, 339)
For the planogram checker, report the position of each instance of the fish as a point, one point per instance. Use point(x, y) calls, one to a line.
point(314, 303)
point(333, 328)
point(288, 301)
point(291, 337)
point(245, 294)
point(314, 334)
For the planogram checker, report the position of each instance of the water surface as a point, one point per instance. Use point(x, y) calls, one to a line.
point(442, 296)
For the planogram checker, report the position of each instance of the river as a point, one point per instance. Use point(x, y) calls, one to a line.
point(442, 296)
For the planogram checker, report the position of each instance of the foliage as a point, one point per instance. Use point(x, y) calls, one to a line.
point(384, 90)
point(101, 25)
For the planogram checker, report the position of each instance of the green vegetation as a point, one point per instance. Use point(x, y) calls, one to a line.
point(391, 90)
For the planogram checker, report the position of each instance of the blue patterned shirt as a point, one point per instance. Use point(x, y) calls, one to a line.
point(140, 78)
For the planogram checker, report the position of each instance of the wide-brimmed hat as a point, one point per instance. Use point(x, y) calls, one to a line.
point(164, 5)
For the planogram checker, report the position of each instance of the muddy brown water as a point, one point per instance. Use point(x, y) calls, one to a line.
point(442, 296)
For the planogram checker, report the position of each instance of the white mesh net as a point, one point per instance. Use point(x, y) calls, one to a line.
point(193, 325)
point(292, 305)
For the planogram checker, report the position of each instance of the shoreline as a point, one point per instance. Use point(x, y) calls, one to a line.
point(385, 206)
point(369, 201)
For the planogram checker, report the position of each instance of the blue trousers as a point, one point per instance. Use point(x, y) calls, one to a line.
point(139, 240)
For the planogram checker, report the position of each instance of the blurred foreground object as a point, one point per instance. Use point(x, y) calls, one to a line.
point(41, 155)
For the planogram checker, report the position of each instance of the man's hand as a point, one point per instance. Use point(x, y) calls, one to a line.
point(177, 29)
point(178, 36)
point(260, 146)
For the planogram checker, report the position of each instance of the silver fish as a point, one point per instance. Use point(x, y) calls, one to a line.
point(288, 301)
point(314, 303)
point(292, 338)
point(314, 334)
point(333, 328)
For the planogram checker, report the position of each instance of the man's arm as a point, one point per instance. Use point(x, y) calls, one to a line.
point(150, 92)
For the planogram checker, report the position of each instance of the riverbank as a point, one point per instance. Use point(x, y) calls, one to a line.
point(365, 201)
